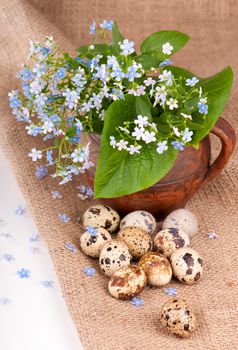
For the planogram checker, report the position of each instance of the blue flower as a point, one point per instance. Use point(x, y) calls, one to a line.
point(106, 24)
point(91, 230)
point(71, 247)
point(49, 156)
point(127, 47)
point(137, 302)
point(64, 217)
point(56, 194)
point(132, 73)
point(8, 257)
point(118, 74)
point(14, 102)
point(203, 107)
point(23, 273)
point(179, 146)
point(60, 73)
point(41, 172)
point(25, 74)
point(92, 28)
point(20, 210)
point(170, 291)
point(166, 62)
point(192, 82)
point(89, 192)
point(47, 284)
point(90, 271)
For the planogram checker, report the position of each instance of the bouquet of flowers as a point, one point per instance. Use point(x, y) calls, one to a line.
point(145, 109)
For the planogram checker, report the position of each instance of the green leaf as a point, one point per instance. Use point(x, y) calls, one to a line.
point(217, 88)
point(98, 49)
point(117, 36)
point(155, 41)
point(152, 59)
point(118, 173)
point(143, 106)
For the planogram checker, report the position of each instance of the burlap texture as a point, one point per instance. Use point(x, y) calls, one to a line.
point(103, 322)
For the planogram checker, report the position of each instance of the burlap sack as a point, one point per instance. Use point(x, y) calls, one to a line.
point(103, 322)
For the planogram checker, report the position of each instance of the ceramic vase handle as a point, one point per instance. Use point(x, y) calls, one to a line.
point(226, 133)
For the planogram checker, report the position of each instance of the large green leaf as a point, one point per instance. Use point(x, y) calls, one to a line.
point(155, 41)
point(117, 36)
point(118, 173)
point(217, 88)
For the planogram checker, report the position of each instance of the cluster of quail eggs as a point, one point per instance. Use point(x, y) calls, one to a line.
point(137, 255)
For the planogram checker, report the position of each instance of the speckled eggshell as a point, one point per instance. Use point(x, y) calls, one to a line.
point(182, 219)
point(127, 282)
point(157, 269)
point(137, 240)
point(92, 244)
point(178, 317)
point(187, 265)
point(114, 254)
point(141, 219)
point(169, 239)
point(101, 216)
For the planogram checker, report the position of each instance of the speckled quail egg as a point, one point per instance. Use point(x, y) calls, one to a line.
point(101, 216)
point(140, 218)
point(168, 240)
point(137, 240)
point(178, 317)
point(182, 219)
point(91, 244)
point(114, 254)
point(127, 282)
point(157, 269)
point(187, 265)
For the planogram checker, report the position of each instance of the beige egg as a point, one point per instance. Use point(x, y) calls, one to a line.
point(101, 216)
point(187, 265)
point(157, 269)
point(137, 240)
point(182, 219)
point(169, 239)
point(178, 318)
point(127, 282)
point(114, 254)
point(92, 244)
point(141, 219)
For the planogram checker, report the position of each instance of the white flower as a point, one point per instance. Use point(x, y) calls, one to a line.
point(140, 91)
point(186, 116)
point(149, 81)
point(141, 121)
point(91, 47)
point(80, 154)
point(127, 47)
point(160, 94)
point(149, 137)
point(134, 149)
point(167, 48)
point(79, 125)
point(41, 99)
point(36, 86)
point(113, 142)
point(176, 131)
point(161, 147)
point(71, 98)
point(200, 92)
point(35, 155)
point(192, 82)
point(172, 103)
point(122, 144)
point(138, 133)
point(112, 62)
point(187, 135)
point(47, 127)
point(167, 77)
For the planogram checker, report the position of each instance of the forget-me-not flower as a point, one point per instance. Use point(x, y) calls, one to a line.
point(170, 291)
point(179, 146)
point(127, 47)
point(20, 210)
point(137, 302)
point(91, 230)
point(64, 217)
point(71, 247)
point(92, 28)
point(89, 271)
point(23, 273)
point(192, 82)
point(47, 284)
point(41, 172)
point(106, 24)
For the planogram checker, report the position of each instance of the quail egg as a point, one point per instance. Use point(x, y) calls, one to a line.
point(114, 254)
point(178, 317)
point(127, 282)
point(140, 218)
point(101, 216)
point(187, 265)
point(92, 243)
point(168, 240)
point(137, 240)
point(157, 269)
point(182, 219)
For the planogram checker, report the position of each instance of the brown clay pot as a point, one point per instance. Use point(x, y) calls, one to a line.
point(191, 170)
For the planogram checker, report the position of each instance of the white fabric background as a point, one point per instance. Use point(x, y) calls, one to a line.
point(33, 316)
